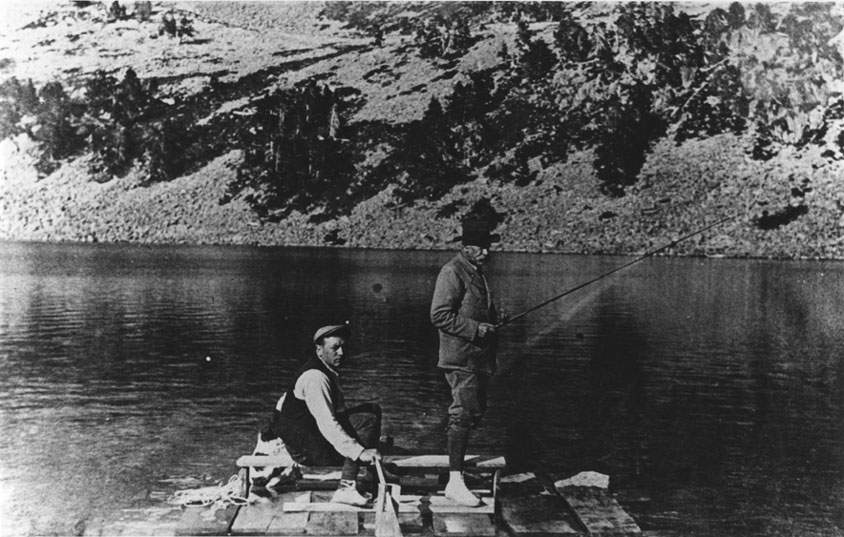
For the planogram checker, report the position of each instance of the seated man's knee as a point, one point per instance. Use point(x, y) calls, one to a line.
point(366, 428)
point(374, 408)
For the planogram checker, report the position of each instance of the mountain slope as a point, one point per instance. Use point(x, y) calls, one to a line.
point(241, 54)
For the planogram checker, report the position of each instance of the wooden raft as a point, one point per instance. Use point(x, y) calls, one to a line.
point(420, 504)
point(524, 504)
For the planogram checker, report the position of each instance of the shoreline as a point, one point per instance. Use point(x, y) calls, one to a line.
point(387, 249)
point(561, 212)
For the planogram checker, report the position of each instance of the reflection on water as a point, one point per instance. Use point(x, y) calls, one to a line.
point(710, 390)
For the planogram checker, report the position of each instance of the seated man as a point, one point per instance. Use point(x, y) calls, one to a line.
point(312, 420)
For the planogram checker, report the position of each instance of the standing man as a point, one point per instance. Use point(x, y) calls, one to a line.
point(463, 312)
point(312, 420)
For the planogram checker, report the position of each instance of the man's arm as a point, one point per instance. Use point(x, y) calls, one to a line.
point(315, 388)
point(445, 306)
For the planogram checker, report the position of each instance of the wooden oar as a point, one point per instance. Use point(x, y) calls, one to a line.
point(386, 518)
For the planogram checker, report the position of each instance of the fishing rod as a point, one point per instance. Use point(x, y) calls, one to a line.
point(613, 271)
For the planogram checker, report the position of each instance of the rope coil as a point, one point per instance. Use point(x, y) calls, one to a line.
point(221, 494)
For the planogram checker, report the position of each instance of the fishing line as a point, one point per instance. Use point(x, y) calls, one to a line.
point(613, 271)
point(508, 389)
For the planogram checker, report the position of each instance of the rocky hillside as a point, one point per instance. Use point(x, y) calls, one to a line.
point(379, 125)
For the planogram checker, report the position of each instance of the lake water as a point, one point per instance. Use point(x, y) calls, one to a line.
point(711, 391)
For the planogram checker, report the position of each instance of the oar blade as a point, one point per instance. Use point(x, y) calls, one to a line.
point(386, 517)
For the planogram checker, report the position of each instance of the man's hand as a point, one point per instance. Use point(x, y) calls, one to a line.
point(485, 329)
point(369, 455)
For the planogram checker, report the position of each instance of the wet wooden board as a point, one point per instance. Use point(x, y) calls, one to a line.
point(407, 482)
point(463, 524)
point(413, 522)
point(290, 523)
point(598, 511)
point(441, 461)
point(332, 523)
point(528, 509)
point(406, 504)
point(211, 520)
point(340, 521)
point(439, 504)
point(408, 522)
point(540, 515)
point(255, 518)
point(401, 461)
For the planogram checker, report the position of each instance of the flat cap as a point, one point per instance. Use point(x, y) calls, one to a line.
point(338, 330)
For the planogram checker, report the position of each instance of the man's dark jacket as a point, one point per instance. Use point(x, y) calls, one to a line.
point(461, 302)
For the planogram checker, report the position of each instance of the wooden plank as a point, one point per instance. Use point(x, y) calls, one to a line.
point(496, 463)
point(212, 520)
point(598, 511)
point(260, 461)
point(406, 504)
point(420, 482)
point(332, 523)
point(407, 482)
point(437, 503)
point(463, 524)
point(256, 517)
point(412, 523)
point(401, 461)
point(325, 507)
point(330, 481)
point(537, 515)
point(290, 523)
point(527, 508)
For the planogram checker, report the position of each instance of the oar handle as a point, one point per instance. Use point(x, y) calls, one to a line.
point(380, 470)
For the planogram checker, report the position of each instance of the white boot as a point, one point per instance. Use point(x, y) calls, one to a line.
point(348, 493)
point(457, 491)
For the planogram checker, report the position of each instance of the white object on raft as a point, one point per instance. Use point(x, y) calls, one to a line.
point(223, 494)
point(585, 479)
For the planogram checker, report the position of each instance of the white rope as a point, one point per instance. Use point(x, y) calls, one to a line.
point(221, 494)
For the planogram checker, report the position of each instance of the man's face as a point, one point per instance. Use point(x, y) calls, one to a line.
point(332, 351)
point(476, 254)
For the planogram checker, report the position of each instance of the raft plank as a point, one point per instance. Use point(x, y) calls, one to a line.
point(442, 505)
point(527, 508)
point(330, 482)
point(441, 461)
point(340, 521)
point(463, 524)
point(598, 510)
point(411, 522)
point(420, 482)
point(332, 523)
point(408, 522)
point(290, 523)
point(537, 515)
point(324, 507)
point(255, 518)
point(401, 461)
point(211, 520)
point(406, 504)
